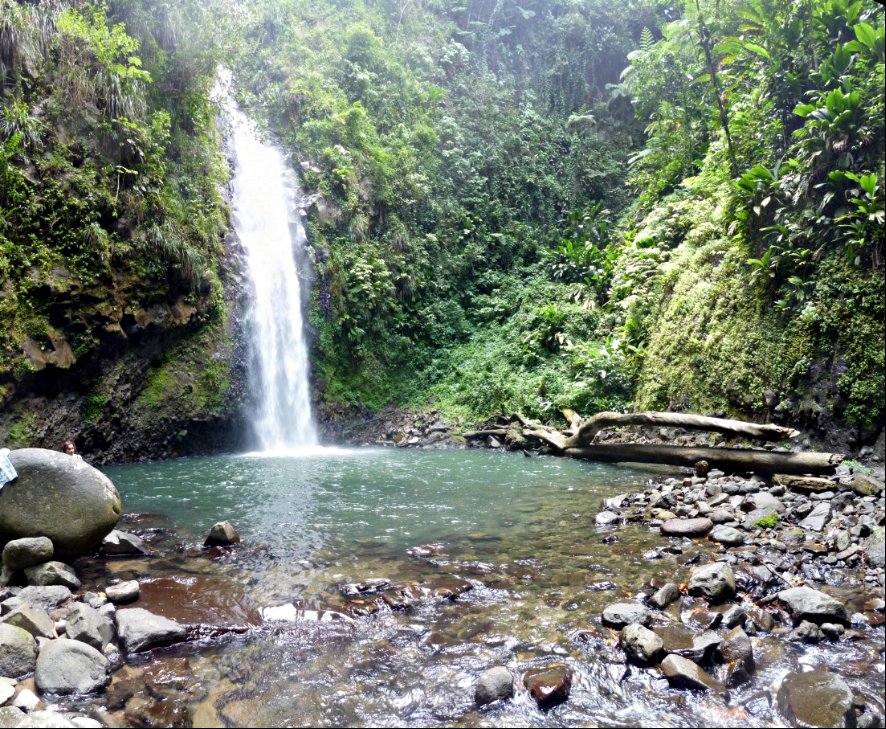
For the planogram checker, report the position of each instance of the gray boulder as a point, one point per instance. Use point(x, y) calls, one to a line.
point(818, 518)
point(624, 613)
point(640, 644)
point(727, 535)
point(686, 527)
point(46, 720)
point(222, 534)
point(814, 606)
point(140, 630)
point(67, 666)
point(715, 581)
point(123, 592)
point(45, 598)
point(665, 596)
point(683, 673)
point(494, 684)
point(21, 553)
point(816, 698)
point(53, 573)
point(7, 690)
point(59, 497)
point(737, 652)
point(123, 543)
point(18, 651)
point(89, 626)
point(875, 548)
point(11, 716)
point(36, 621)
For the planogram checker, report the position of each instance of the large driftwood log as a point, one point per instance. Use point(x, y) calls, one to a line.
point(582, 434)
point(729, 460)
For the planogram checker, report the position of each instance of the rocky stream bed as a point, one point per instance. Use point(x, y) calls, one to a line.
point(756, 584)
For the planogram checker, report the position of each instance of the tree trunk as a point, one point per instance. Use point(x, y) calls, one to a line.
point(729, 460)
point(590, 427)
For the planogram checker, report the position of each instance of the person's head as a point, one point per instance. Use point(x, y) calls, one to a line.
point(69, 447)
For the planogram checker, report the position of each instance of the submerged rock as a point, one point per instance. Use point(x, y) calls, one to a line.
point(550, 685)
point(140, 630)
point(816, 698)
point(494, 684)
point(59, 497)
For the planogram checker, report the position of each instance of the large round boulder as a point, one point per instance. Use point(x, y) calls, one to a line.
point(60, 497)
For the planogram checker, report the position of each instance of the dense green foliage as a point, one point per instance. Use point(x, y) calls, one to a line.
point(109, 181)
point(572, 204)
point(559, 203)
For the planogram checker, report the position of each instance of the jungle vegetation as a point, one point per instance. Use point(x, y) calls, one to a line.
point(513, 206)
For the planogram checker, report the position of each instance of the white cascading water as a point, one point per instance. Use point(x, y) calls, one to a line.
point(267, 224)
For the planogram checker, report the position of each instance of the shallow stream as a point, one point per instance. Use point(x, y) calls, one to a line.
point(519, 530)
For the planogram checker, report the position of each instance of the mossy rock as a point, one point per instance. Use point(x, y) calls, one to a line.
point(59, 497)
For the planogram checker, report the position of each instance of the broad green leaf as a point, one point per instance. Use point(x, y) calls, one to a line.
point(865, 34)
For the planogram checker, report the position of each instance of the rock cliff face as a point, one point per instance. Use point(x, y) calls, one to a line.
point(166, 377)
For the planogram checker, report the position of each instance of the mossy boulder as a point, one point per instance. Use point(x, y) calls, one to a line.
point(59, 497)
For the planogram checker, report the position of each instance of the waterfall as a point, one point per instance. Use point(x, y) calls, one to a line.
point(269, 228)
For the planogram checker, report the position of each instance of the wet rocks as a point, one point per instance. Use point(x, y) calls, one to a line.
point(59, 497)
point(140, 630)
point(67, 666)
point(875, 547)
point(550, 685)
point(34, 620)
point(119, 543)
point(818, 517)
point(737, 652)
point(696, 527)
point(222, 534)
point(53, 573)
point(805, 603)
point(123, 592)
point(664, 596)
point(89, 626)
point(816, 698)
point(44, 598)
point(683, 673)
point(715, 581)
point(640, 644)
point(624, 613)
point(21, 553)
point(494, 684)
point(18, 651)
point(727, 535)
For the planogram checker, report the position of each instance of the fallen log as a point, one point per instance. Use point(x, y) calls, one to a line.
point(805, 484)
point(593, 425)
point(728, 460)
point(484, 433)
